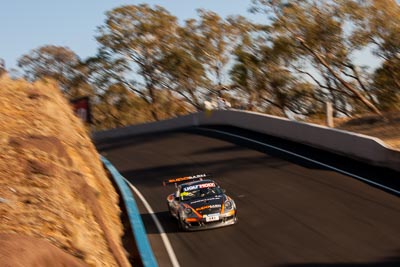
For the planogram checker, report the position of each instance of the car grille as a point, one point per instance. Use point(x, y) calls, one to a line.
point(209, 211)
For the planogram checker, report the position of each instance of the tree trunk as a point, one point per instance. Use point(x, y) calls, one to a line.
point(359, 96)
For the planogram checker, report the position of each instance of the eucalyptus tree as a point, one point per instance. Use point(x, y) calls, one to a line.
point(59, 63)
point(197, 65)
point(377, 25)
point(117, 107)
point(139, 37)
point(260, 73)
point(386, 85)
point(105, 70)
point(314, 31)
point(213, 40)
point(182, 66)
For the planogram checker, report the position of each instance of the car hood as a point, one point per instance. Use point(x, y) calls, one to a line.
point(208, 205)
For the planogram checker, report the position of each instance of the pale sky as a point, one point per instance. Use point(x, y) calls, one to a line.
point(29, 24)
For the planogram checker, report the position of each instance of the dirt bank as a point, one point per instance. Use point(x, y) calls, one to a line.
point(52, 184)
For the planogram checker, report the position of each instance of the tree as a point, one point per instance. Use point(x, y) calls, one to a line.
point(198, 65)
point(184, 75)
point(260, 73)
point(315, 32)
point(377, 25)
point(2, 67)
point(215, 36)
point(118, 107)
point(59, 63)
point(386, 85)
point(139, 36)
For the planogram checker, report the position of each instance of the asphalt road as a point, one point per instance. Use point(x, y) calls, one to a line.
point(291, 212)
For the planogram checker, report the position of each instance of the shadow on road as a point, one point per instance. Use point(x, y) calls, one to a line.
point(169, 224)
point(390, 262)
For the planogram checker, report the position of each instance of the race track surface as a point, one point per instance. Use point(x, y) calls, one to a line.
point(291, 213)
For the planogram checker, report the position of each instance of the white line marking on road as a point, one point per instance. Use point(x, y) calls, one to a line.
point(311, 160)
point(160, 229)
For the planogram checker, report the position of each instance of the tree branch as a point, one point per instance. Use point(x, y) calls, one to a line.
point(365, 101)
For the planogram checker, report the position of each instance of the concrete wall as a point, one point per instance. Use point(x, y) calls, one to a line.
point(365, 148)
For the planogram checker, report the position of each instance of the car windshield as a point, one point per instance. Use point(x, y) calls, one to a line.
point(200, 193)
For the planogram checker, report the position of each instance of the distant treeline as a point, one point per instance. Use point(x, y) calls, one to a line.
point(150, 67)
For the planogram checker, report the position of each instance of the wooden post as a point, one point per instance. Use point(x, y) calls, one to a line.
point(329, 114)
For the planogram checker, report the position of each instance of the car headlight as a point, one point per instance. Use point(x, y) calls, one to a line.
point(188, 211)
point(228, 204)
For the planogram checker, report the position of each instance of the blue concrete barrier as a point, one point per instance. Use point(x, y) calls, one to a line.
point(139, 232)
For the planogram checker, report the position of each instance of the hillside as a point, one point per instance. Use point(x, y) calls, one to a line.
point(57, 205)
point(388, 131)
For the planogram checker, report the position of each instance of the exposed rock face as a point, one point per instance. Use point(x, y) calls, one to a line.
point(52, 183)
point(17, 250)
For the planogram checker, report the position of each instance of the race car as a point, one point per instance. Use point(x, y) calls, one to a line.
point(200, 203)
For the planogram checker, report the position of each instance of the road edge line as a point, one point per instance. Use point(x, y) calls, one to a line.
point(160, 229)
point(138, 230)
point(308, 159)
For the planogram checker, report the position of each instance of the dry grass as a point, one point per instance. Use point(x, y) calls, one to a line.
point(52, 184)
point(388, 131)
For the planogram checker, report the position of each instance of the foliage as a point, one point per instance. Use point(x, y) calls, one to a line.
point(377, 24)
point(140, 36)
point(315, 31)
point(59, 63)
point(150, 67)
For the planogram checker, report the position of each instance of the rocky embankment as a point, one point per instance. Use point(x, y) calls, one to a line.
point(57, 205)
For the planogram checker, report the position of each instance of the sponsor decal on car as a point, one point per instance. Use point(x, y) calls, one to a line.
point(197, 186)
point(208, 207)
point(190, 188)
point(206, 185)
point(184, 194)
point(180, 179)
point(205, 199)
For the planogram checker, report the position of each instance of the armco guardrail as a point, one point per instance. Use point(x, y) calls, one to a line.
point(142, 243)
point(361, 147)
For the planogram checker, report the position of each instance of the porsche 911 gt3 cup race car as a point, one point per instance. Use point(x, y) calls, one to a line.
point(199, 203)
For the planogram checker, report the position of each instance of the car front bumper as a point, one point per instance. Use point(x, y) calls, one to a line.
point(203, 225)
